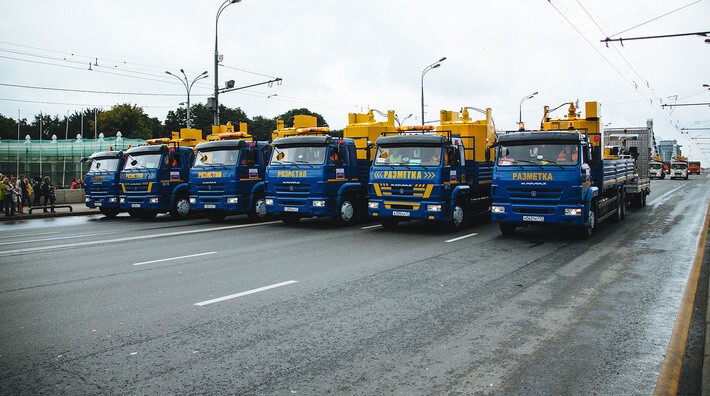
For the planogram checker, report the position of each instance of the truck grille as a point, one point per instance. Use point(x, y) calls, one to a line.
point(542, 195)
point(210, 188)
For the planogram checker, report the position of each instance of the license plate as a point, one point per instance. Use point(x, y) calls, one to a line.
point(290, 209)
point(398, 213)
point(97, 203)
point(210, 206)
point(135, 205)
point(533, 218)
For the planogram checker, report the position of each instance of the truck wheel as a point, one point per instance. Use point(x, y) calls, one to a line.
point(290, 218)
point(458, 217)
point(623, 204)
point(663, 176)
point(388, 223)
point(181, 207)
point(258, 210)
point(507, 229)
point(643, 199)
point(588, 229)
point(618, 215)
point(216, 216)
point(348, 213)
point(110, 213)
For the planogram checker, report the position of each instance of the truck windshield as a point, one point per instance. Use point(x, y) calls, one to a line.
point(309, 155)
point(655, 166)
point(216, 157)
point(538, 154)
point(103, 165)
point(679, 166)
point(142, 161)
point(408, 156)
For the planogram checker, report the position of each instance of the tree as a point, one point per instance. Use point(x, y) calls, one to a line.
point(261, 127)
point(176, 119)
point(288, 117)
point(127, 118)
point(8, 128)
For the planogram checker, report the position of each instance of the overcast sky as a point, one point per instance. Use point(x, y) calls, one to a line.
point(342, 56)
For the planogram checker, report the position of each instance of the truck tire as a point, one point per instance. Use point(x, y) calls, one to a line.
point(588, 229)
point(459, 217)
point(618, 216)
point(643, 199)
point(110, 213)
point(290, 218)
point(507, 229)
point(216, 216)
point(623, 204)
point(389, 223)
point(181, 207)
point(258, 209)
point(348, 212)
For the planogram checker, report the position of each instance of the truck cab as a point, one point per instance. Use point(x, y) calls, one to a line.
point(656, 170)
point(154, 179)
point(694, 167)
point(101, 188)
point(679, 170)
point(313, 174)
point(227, 177)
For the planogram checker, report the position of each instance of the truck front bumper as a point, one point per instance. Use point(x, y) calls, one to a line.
point(564, 215)
point(409, 210)
point(224, 203)
point(110, 202)
point(313, 206)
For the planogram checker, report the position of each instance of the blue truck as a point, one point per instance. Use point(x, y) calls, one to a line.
point(313, 174)
point(228, 177)
point(155, 179)
point(441, 175)
point(101, 188)
point(570, 173)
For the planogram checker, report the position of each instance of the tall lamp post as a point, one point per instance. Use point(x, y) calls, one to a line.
point(520, 118)
point(224, 5)
point(188, 87)
point(426, 69)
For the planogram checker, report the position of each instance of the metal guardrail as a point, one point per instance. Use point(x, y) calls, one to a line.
point(71, 209)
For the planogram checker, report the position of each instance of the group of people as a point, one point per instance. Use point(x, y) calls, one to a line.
point(17, 193)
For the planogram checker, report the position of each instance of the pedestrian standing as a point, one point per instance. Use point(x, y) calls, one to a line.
point(16, 195)
point(7, 202)
point(48, 193)
point(26, 190)
point(37, 187)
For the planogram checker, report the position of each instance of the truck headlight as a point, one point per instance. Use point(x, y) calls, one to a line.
point(122, 200)
point(153, 200)
point(269, 201)
point(112, 199)
point(373, 205)
point(573, 212)
point(233, 200)
point(193, 200)
point(318, 203)
point(497, 209)
point(87, 199)
point(433, 208)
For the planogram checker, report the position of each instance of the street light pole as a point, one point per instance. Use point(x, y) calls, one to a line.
point(520, 118)
point(188, 86)
point(224, 5)
point(426, 69)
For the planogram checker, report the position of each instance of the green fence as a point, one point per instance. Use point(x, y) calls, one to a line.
point(57, 158)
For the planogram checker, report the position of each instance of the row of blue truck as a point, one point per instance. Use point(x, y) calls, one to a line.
point(563, 174)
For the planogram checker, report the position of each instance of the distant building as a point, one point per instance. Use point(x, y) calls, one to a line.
point(668, 149)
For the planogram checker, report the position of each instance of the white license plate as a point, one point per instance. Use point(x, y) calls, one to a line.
point(97, 203)
point(290, 209)
point(533, 218)
point(210, 206)
point(135, 205)
point(399, 213)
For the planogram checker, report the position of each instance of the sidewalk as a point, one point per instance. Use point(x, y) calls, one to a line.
point(62, 210)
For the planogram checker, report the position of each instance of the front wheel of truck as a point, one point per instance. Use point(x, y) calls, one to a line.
point(290, 218)
point(507, 229)
point(181, 207)
point(258, 210)
point(110, 213)
point(348, 213)
point(588, 229)
point(458, 217)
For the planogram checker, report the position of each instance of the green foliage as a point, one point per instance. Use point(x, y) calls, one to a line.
point(261, 127)
point(129, 119)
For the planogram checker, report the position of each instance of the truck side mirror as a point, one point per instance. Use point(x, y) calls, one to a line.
point(488, 155)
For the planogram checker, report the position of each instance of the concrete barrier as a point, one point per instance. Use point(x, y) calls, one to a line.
point(68, 196)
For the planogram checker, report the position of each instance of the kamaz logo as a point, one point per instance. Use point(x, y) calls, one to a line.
point(403, 175)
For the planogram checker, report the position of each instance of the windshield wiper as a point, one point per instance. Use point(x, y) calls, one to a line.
point(527, 162)
point(305, 162)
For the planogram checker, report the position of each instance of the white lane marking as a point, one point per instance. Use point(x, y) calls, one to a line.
point(372, 226)
point(261, 289)
point(51, 239)
point(29, 235)
point(462, 237)
point(175, 258)
point(135, 238)
point(662, 197)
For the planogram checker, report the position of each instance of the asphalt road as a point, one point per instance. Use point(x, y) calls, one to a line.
point(97, 306)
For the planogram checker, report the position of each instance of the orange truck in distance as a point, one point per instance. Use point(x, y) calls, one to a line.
point(694, 167)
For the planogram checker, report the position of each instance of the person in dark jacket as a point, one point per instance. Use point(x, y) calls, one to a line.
point(36, 187)
point(24, 185)
point(48, 193)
